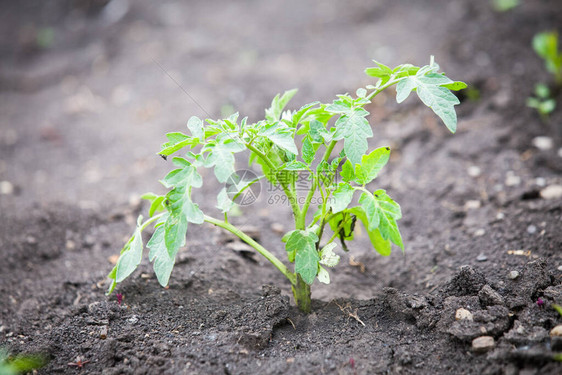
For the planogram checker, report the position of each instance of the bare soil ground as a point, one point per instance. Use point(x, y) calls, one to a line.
point(84, 105)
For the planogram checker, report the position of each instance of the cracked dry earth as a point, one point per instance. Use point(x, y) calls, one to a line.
point(82, 118)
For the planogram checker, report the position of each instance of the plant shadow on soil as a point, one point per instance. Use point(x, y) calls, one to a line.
point(462, 229)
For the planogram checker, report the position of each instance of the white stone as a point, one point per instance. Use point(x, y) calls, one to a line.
point(483, 344)
point(540, 181)
point(474, 171)
point(471, 205)
point(513, 275)
point(6, 188)
point(463, 314)
point(556, 331)
point(479, 232)
point(543, 143)
point(552, 192)
point(512, 179)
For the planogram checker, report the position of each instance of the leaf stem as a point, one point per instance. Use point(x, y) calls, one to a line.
point(259, 248)
point(288, 192)
point(150, 221)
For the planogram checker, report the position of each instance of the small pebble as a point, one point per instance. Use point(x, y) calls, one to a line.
point(543, 143)
point(556, 331)
point(500, 216)
point(560, 152)
point(471, 205)
point(559, 268)
point(540, 181)
point(71, 245)
point(512, 179)
point(483, 344)
point(6, 188)
point(474, 171)
point(531, 229)
point(133, 319)
point(552, 192)
point(479, 232)
point(513, 275)
point(481, 258)
point(463, 314)
point(103, 332)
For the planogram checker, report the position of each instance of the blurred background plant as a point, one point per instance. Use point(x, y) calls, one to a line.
point(19, 364)
point(545, 45)
point(504, 5)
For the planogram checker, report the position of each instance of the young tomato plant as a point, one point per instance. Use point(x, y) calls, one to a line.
point(272, 144)
point(545, 45)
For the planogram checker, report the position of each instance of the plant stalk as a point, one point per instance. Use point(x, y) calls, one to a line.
point(259, 248)
point(301, 293)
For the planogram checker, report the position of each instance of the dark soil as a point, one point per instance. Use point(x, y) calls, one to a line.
point(84, 105)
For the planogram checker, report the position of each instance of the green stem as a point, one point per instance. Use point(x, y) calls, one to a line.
point(259, 248)
point(301, 293)
point(288, 192)
point(151, 220)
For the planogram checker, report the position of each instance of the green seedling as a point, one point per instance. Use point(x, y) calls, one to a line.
point(546, 46)
point(317, 128)
point(558, 308)
point(542, 101)
point(504, 5)
point(19, 364)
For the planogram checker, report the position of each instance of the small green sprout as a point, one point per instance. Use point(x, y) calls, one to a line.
point(504, 5)
point(545, 45)
point(287, 145)
point(542, 101)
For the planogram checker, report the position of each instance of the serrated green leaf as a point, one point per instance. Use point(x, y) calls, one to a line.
point(156, 203)
point(177, 141)
point(371, 165)
point(281, 135)
point(429, 87)
point(342, 196)
point(131, 256)
point(302, 113)
point(354, 130)
point(328, 257)
point(302, 243)
point(195, 125)
point(382, 246)
point(347, 172)
point(317, 132)
point(221, 157)
point(455, 86)
point(224, 203)
point(382, 213)
point(273, 113)
point(382, 71)
point(323, 275)
point(296, 165)
point(163, 260)
point(308, 151)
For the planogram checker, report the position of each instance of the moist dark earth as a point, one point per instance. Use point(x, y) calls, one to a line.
point(89, 88)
